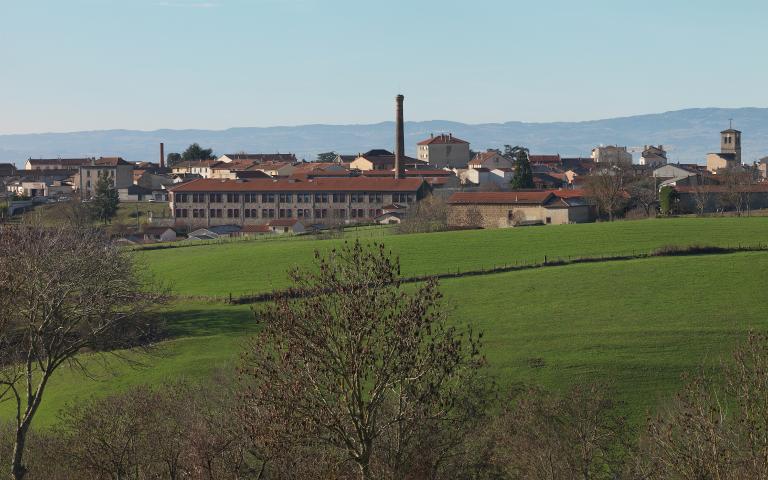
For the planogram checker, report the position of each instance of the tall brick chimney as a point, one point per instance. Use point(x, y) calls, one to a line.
point(162, 155)
point(399, 139)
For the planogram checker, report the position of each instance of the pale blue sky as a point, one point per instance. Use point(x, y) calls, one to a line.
point(70, 65)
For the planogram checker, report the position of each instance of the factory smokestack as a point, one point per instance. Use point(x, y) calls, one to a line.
point(162, 155)
point(399, 139)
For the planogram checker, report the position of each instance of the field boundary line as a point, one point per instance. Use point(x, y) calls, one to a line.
point(665, 251)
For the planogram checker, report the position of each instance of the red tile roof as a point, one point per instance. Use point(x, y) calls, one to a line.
point(283, 222)
point(262, 157)
point(754, 188)
point(442, 139)
point(347, 184)
point(255, 229)
point(517, 197)
point(110, 162)
point(409, 173)
point(64, 162)
point(544, 158)
point(575, 193)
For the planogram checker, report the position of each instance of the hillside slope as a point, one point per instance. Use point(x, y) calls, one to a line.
point(690, 134)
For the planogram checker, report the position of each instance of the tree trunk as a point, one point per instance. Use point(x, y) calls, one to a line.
point(17, 466)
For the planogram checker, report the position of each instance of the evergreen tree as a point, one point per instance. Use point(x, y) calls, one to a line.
point(196, 152)
point(105, 199)
point(523, 177)
point(172, 159)
point(326, 157)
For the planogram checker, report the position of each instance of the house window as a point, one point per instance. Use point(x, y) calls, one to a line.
point(321, 198)
point(374, 198)
point(215, 197)
point(233, 197)
point(286, 197)
point(339, 197)
point(303, 198)
point(251, 197)
point(357, 197)
point(285, 213)
point(549, 219)
point(267, 198)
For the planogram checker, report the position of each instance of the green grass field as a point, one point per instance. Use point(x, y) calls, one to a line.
point(637, 324)
point(254, 267)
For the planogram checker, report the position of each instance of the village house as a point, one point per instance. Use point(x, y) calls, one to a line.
point(380, 159)
point(762, 167)
point(118, 170)
point(287, 225)
point(194, 167)
point(516, 208)
point(56, 163)
point(612, 154)
point(158, 234)
point(653, 156)
point(443, 150)
point(490, 159)
point(209, 202)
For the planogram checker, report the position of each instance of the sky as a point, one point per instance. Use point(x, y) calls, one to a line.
point(72, 65)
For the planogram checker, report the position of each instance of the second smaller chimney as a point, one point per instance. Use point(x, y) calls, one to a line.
point(162, 155)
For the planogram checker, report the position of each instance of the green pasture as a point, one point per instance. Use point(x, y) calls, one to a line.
point(240, 268)
point(636, 324)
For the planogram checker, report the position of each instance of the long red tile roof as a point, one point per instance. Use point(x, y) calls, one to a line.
point(526, 196)
point(347, 184)
point(515, 196)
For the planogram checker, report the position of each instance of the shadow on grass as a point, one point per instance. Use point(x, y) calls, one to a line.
point(196, 320)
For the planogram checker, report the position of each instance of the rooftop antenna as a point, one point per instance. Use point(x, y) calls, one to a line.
point(730, 123)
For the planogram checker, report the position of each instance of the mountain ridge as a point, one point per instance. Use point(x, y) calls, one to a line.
point(689, 133)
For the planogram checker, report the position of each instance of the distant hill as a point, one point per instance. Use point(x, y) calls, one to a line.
point(690, 134)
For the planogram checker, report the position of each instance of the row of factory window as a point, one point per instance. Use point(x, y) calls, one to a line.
point(289, 197)
point(277, 213)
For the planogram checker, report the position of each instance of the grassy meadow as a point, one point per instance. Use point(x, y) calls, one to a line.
point(636, 324)
point(253, 267)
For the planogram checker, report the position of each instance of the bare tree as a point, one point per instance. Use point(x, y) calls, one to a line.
point(701, 195)
point(606, 186)
point(577, 435)
point(358, 364)
point(69, 291)
point(737, 187)
point(644, 194)
point(428, 215)
point(713, 431)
